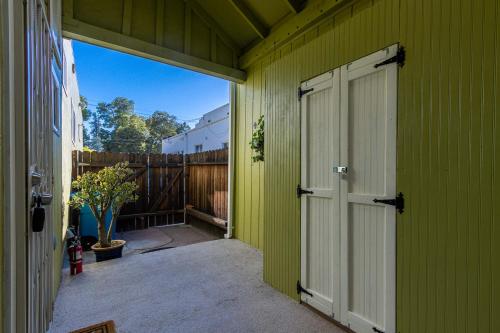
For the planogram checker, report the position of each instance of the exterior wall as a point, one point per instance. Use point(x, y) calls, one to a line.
point(212, 131)
point(249, 176)
point(64, 144)
point(448, 239)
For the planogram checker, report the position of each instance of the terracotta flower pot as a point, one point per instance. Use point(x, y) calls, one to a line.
point(108, 253)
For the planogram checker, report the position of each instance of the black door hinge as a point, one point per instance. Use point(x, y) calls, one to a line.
point(301, 92)
point(300, 289)
point(376, 330)
point(398, 202)
point(399, 58)
point(300, 191)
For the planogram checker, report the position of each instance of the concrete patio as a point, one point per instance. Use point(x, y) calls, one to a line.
point(213, 286)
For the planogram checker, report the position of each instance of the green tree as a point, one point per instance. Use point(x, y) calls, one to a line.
point(86, 114)
point(108, 189)
point(130, 137)
point(162, 125)
point(115, 127)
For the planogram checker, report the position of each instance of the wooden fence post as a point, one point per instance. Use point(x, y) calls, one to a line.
point(184, 184)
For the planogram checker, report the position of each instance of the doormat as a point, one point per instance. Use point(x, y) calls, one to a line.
point(104, 327)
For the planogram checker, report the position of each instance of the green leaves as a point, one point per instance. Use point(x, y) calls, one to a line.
point(115, 127)
point(109, 188)
point(257, 142)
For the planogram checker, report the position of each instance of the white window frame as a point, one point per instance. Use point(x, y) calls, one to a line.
point(73, 123)
point(56, 103)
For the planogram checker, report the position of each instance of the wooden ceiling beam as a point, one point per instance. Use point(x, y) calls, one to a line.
point(250, 18)
point(295, 5)
point(75, 29)
point(193, 4)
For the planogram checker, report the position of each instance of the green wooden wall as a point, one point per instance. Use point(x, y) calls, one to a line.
point(249, 186)
point(448, 155)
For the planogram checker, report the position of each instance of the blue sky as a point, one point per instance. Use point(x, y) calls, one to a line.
point(104, 74)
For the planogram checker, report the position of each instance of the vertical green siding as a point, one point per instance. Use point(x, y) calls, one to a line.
point(448, 153)
point(249, 205)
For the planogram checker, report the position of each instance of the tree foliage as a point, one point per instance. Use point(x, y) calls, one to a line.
point(107, 189)
point(115, 127)
point(162, 125)
point(86, 114)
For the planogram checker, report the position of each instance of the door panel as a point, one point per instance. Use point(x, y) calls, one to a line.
point(368, 140)
point(41, 83)
point(320, 227)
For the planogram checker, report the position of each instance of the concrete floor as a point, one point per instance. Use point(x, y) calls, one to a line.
point(213, 286)
point(142, 240)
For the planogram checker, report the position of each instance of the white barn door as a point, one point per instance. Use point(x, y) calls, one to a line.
point(368, 229)
point(320, 243)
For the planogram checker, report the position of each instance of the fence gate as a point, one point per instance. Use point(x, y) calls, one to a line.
point(167, 184)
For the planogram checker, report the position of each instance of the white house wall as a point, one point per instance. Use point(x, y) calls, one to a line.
point(212, 132)
point(70, 103)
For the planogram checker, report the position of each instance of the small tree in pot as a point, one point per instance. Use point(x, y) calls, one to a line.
point(106, 190)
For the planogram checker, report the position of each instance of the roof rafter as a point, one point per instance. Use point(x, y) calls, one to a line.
point(295, 5)
point(193, 4)
point(250, 18)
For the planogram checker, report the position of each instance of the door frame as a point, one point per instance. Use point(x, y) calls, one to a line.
point(360, 68)
point(14, 173)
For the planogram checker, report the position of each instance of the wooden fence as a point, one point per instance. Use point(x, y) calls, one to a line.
point(167, 185)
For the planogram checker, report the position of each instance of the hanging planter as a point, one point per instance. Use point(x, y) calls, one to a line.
point(257, 143)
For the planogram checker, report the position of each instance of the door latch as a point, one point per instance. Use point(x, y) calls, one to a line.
point(398, 202)
point(340, 169)
point(301, 191)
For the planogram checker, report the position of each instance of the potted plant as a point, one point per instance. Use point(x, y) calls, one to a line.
point(105, 190)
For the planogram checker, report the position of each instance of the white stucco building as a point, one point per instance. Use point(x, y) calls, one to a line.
point(210, 133)
point(71, 133)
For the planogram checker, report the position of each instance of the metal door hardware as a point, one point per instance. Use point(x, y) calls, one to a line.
point(301, 92)
point(46, 198)
point(301, 191)
point(300, 289)
point(340, 169)
point(38, 217)
point(36, 178)
point(398, 202)
point(399, 58)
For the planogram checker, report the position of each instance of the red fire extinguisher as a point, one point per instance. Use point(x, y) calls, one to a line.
point(75, 252)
